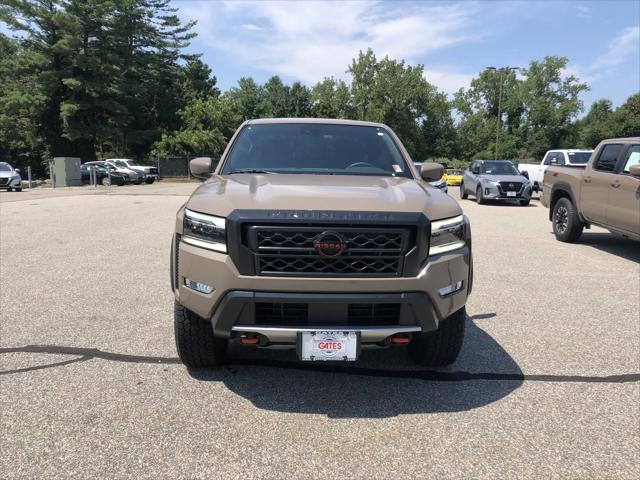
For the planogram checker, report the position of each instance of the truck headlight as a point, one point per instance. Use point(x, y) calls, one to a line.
point(448, 234)
point(205, 231)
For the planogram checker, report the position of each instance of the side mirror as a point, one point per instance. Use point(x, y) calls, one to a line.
point(554, 161)
point(430, 172)
point(525, 174)
point(200, 167)
point(635, 170)
point(17, 170)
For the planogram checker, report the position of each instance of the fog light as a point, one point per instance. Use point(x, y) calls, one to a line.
point(449, 289)
point(197, 286)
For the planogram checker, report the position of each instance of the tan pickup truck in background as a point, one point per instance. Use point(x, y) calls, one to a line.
point(606, 193)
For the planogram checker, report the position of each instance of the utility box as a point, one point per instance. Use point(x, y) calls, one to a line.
point(66, 171)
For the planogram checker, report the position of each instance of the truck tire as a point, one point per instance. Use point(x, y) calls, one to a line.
point(463, 193)
point(442, 346)
point(524, 203)
point(479, 197)
point(567, 227)
point(149, 180)
point(196, 345)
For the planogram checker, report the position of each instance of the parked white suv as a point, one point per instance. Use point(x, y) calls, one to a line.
point(150, 172)
point(10, 178)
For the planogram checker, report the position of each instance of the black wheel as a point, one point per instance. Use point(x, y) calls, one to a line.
point(149, 180)
point(18, 189)
point(567, 227)
point(479, 197)
point(442, 346)
point(196, 345)
point(463, 193)
point(524, 203)
point(105, 181)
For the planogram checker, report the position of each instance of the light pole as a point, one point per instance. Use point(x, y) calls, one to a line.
point(502, 71)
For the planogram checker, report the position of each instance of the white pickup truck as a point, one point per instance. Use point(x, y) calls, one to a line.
point(568, 158)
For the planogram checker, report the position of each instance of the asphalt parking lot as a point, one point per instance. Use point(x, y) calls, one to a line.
point(547, 385)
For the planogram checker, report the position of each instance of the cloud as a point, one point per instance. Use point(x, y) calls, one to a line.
point(584, 12)
point(252, 27)
point(310, 40)
point(622, 48)
point(447, 79)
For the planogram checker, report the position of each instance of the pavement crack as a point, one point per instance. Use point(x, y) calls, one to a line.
point(430, 375)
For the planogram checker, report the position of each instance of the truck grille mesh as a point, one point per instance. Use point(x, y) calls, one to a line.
point(297, 314)
point(290, 251)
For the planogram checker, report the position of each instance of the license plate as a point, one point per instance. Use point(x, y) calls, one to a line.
point(511, 194)
point(325, 346)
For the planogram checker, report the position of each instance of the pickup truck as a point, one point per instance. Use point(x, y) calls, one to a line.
point(320, 236)
point(606, 193)
point(568, 158)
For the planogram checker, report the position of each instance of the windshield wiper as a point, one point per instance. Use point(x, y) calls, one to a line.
point(249, 170)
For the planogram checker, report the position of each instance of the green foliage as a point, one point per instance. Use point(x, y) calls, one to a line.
point(208, 123)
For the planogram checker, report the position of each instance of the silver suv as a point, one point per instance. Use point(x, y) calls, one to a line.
point(495, 180)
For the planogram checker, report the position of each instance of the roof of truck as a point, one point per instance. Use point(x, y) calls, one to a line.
point(333, 121)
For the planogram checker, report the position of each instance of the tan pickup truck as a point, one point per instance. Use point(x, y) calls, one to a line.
point(606, 193)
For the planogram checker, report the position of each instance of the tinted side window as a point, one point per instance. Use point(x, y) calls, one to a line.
point(608, 156)
point(560, 158)
point(547, 159)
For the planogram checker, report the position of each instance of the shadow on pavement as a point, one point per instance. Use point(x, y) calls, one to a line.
point(614, 244)
point(383, 383)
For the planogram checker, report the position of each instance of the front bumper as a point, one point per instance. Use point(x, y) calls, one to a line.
point(11, 183)
point(230, 306)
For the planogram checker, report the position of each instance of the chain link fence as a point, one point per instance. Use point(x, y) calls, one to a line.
point(175, 167)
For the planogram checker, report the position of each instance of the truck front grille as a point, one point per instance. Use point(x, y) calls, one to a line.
point(290, 251)
point(4, 181)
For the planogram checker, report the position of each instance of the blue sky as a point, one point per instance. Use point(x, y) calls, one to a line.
point(307, 41)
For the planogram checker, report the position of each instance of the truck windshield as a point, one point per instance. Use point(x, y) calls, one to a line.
point(579, 158)
point(329, 149)
point(499, 168)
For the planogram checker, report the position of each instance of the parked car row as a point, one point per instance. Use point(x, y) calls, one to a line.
point(119, 172)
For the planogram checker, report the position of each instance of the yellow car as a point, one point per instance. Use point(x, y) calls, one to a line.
point(453, 177)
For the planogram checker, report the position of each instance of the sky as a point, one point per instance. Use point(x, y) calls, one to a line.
point(309, 40)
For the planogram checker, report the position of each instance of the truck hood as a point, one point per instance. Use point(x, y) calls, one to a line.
point(220, 195)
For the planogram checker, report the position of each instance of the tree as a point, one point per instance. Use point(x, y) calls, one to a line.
point(331, 98)
point(398, 95)
point(197, 80)
point(537, 111)
point(247, 98)
point(299, 101)
point(596, 125)
point(552, 104)
point(208, 125)
point(275, 99)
